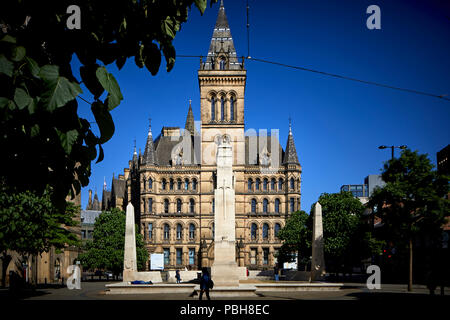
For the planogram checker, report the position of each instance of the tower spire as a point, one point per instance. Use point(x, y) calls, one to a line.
point(190, 120)
point(222, 44)
point(149, 153)
point(290, 155)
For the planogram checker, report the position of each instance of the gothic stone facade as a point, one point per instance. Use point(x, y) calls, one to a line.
point(172, 184)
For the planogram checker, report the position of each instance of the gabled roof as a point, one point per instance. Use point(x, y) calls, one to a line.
point(118, 188)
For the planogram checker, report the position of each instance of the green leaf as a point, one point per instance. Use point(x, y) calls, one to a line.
point(34, 130)
point(110, 84)
point(139, 58)
point(59, 90)
point(32, 105)
point(67, 139)
point(3, 102)
point(18, 53)
point(33, 67)
point(49, 72)
point(168, 28)
point(6, 66)
point(201, 5)
point(21, 98)
point(88, 74)
point(120, 62)
point(8, 39)
point(104, 121)
point(169, 53)
point(152, 58)
point(101, 154)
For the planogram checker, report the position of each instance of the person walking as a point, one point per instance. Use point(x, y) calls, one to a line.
point(205, 283)
point(178, 276)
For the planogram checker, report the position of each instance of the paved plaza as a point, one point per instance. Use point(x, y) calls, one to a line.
point(351, 291)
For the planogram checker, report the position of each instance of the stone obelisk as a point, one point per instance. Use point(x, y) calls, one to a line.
point(224, 270)
point(318, 260)
point(129, 259)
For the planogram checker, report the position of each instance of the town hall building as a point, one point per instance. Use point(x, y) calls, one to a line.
point(171, 185)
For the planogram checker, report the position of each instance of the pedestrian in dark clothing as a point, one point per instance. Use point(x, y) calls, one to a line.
point(276, 272)
point(178, 276)
point(205, 284)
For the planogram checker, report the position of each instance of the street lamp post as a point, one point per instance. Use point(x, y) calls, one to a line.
point(392, 148)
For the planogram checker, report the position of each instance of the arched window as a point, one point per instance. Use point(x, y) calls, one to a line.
point(222, 64)
point(292, 183)
point(166, 206)
point(191, 206)
point(179, 203)
point(213, 205)
point(150, 231)
point(191, 231)
point(186, 184)
point(222, 109)
point(253, 205)
point(280, 184)
point(166, 232)
point(265, 184)
point(213, 109)
point(254, 231)
point(150, 183)
point(291, 204)
point(194, 184)
point(150, 205)
point(179, 184)
point(171, 184)
point(164, 184)
point(179, 232)
point(273, 183)
point(258, 182)
point(277, 205)
point(277, 229)
point(231, 108)
point(213, 230)
point(250, 184)
point(265, 205)
point(143, 184)
point(265, 231)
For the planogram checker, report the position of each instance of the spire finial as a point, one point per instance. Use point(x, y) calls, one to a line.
point(290, 125)
point(135, 146)
point(149, 126)
point(190, 101)
point(221, 3)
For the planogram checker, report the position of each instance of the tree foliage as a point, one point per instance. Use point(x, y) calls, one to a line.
point(296, 236)
point(31, 224)
point(412, 201)
point(341, 215)
point(41, 134)
point(106, 251)
point(412, 205)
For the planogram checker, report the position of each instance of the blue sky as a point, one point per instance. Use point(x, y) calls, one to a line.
point(337, 124)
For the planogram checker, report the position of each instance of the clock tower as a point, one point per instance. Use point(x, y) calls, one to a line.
point(222, 80)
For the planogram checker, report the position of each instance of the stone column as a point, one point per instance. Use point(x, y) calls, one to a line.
point(204, 253)
point(224, 268)
point(129, 261)
point(318, 260)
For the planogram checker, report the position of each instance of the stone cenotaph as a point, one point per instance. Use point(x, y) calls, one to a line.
point(224, 270)
point(318, 260)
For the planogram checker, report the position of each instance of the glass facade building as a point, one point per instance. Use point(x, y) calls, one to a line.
point(358, 190)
